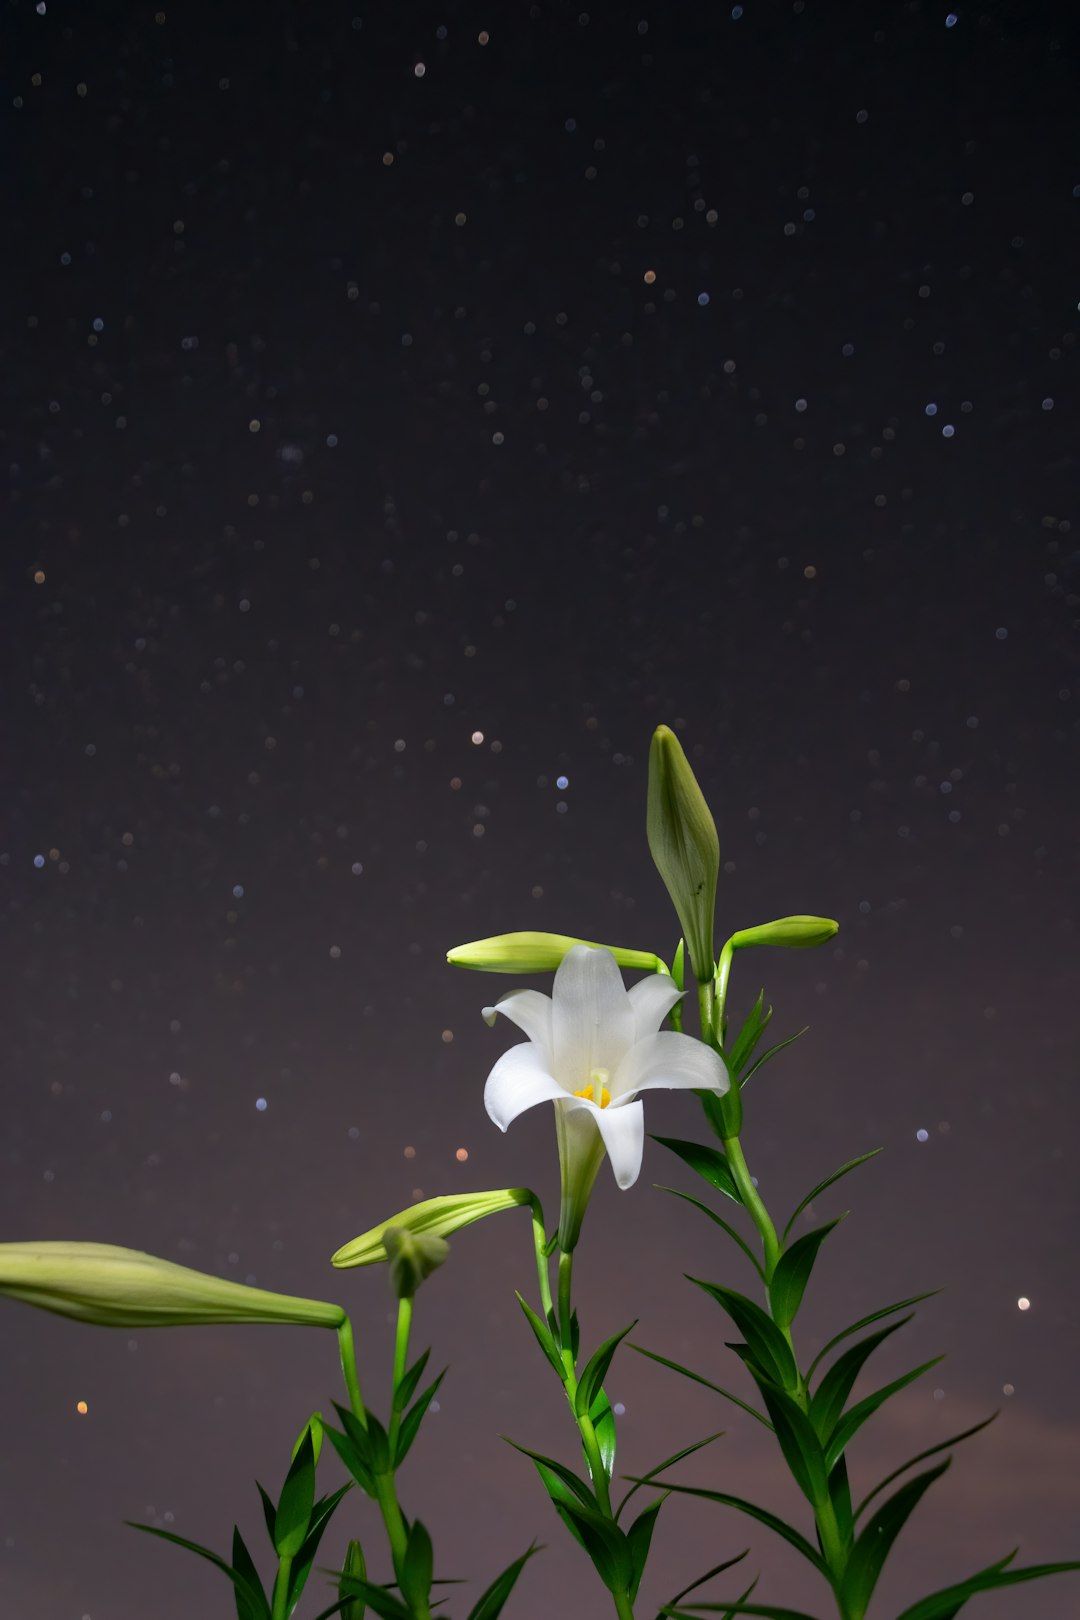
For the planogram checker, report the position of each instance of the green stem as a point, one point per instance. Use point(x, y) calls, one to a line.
point(401, 1361)
point(281, 1588)
point(706, 996)
point(543, 1275)
point(753, 1203)
point(566, 1331)
point(623, 1606)
point(349, 1371)
point(723, 971)
point(832, 1542)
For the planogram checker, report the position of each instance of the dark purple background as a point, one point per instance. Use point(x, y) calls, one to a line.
point(502, 483)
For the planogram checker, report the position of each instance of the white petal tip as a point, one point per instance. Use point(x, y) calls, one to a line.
point(489, 1015)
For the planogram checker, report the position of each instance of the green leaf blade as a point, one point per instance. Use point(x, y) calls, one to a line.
point(490, 1604)
point(297, 1499)
point(767, 1343)
point(876, 1541)
point(707, 1162)
point(596, 1369)
point(792, 1273)
point(815, 1192)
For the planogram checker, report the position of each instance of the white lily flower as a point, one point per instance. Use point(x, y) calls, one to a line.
point(592, 1046)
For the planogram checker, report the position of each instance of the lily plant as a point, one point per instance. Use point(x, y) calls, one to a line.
point(592, 1048)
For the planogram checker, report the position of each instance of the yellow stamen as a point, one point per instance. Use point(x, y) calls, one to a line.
point(587, 1092)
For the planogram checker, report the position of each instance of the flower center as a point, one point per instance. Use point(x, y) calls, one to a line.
point(596, 1084)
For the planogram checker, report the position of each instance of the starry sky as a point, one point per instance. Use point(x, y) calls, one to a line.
point(405, 409)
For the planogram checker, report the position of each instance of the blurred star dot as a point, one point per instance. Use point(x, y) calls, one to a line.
point(461, 1155)
point(1008, 1389)
point(1023, 1304)
point(82, 1408)
point(335, 951)
point(477, 738)
point(447, 1036)
point(410, 1153)
point(562, 782)
point(260, 1104)
point(922, 1136)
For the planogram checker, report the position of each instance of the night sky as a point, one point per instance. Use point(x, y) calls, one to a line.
point(405, 408)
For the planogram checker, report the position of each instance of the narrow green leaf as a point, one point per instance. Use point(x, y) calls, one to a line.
point(698, 1379)
point(876, 1542)
point(921, 1456)
point(406, 1389)
point(321, 1515)
point(313, 1426)
point(410, 1423)
point(603, 1422)
point(543, 1337)
point(729, 1614)
point(638, 1541)
point(767, 1344)
point(713, 1216)
point(379, 1598)
point(709, 1163)
point(269, 1511)
point(418, 1567)
point(595, 1370)
point(754, 1026)
point(865, 1321)
point(567, 1475)
point(854, 1419)
point(831, 1395)
point(840, 1497)
point(717, 1569)
point(560, 1497)
point(247, 1608)
point(793, 1537)
point(668, 1462)
point(798, 1441)
point(942, 1605)
point(296, 1501)
point(793, 1273)
point(352, 1459)
point(773, 1051)
point(852, 1164)
point(239, 1581)
point(604, 1542)
point(490, 1604)
point(369, 1438)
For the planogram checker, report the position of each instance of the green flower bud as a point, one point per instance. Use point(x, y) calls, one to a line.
point(413, 1257)
point(682, 839)
point(435, 1217)
point(797, 932)
point(113, 1287)
point(535, 953)
point(353, 1569)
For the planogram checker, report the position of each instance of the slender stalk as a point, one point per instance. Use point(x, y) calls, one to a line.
point(280, 1608)
point(723, 972)
point(754, 1203)
point(401, 1361)
point(566, 1331)
point(543, 1275)
point(349, 1370)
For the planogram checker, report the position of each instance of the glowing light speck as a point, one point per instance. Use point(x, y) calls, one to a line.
point(1023, 1303)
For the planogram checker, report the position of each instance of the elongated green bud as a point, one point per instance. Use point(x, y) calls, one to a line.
point(795, 932)
point(435, 1217)
point(354, 1568)
point(535, 953)
point(113, 1287)
point(684, 845)
point(413, 1257)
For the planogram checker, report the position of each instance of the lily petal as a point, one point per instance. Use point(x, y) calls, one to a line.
point(623, 1131)
point(519, 1081)
point(530, 1010)
point(592, 1020)
point(671, 1061)
point(652, 999)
